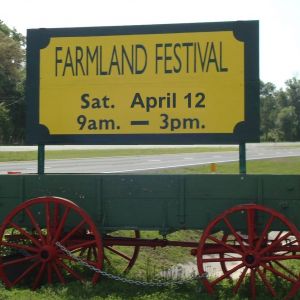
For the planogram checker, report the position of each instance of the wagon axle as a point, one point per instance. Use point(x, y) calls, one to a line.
point(153, 243)
point(209, 248)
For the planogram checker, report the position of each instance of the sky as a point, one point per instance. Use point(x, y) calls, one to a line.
point(279, 22)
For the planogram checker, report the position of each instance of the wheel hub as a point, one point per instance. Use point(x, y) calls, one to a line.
point(47, 253)
point(251, 260)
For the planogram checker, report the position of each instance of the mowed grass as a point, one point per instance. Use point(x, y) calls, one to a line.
point(112, 290)
point(283, 165)
point(61, 154)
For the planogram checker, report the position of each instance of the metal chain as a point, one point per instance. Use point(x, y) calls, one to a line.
point(126, 280)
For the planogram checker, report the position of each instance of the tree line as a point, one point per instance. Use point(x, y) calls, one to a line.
point(279, 108)
point(280, 111)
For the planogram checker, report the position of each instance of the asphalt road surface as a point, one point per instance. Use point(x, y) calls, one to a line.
point(142, 163)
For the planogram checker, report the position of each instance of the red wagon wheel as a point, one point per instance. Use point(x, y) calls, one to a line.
point(249, 256)
point(124, 256)
point(28, 247)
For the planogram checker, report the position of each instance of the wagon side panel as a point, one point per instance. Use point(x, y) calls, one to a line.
point(209, 195)
point(144, 202)
point(11, 192)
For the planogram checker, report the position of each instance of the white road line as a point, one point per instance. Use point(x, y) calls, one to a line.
point(188, 165)
point(167, 167)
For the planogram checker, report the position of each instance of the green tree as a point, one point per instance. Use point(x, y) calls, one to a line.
point(293, 100)
point(12, 77)
point(268, 112)
point(280, 111)
point(5, 126)
point(287, 123)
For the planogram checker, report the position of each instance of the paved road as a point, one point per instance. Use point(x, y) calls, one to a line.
point(145, 162)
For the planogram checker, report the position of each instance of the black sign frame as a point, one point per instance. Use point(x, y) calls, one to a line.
point(247, 131)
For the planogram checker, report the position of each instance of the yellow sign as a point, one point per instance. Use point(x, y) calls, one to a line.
point(165, 83)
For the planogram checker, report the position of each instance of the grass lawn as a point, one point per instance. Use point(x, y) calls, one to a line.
point(284, 165)
point(60, 154)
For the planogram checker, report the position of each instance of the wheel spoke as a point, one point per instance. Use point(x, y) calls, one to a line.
point(56, 215)
point(107, 259)
point(95, 278)
point(38, 277)
point(35, 224)
point(280, 257)
point(127, 253)
point(49, 273)
point(58, 273)
point(253, 283)
point(82, 251)
point(285, 269)
point(95, 253)
point(265, 232)
point(25, 273)
point(85, 244)
point(221, 259)
point(61, 224)
point(271, 265)
point(26, 233)
point(232, 249)
point(278, 235)
point(278, 273)
point(238, 238)
point(70, 271)
point(227, 274)
point(274, 243)
point(73, 231)
point(291, 243)
point(241, 278)
point(48, 221)
point(89, 253)
point(18, 260)
point(19, 246)
point(251, 226)
point(118, 253)
point(90, 262)
point(266, 282)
